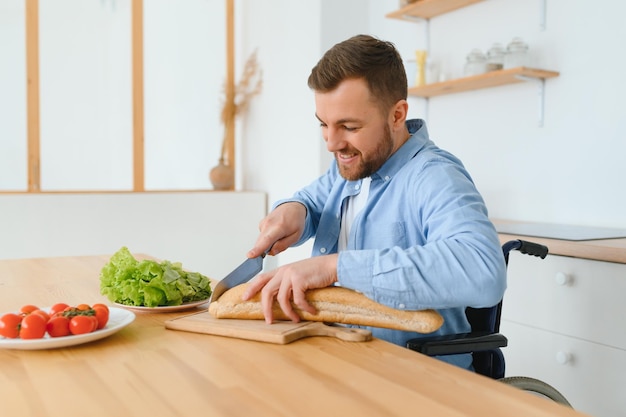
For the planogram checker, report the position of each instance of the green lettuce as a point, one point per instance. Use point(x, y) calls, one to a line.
point(125, 280)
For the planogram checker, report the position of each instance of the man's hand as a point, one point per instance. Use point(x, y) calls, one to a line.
point(289, 283)
point(280, 229)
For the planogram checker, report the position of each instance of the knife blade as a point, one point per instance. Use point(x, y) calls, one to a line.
point(243, 273)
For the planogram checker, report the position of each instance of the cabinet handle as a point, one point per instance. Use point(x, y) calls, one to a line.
point(561, 278)
point(563, 357)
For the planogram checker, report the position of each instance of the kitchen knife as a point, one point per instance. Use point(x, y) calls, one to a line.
point(243, 273)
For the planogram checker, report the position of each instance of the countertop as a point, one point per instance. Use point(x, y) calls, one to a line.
point(609, 250)
point(147, 370)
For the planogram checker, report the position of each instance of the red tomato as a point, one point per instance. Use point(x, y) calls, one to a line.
point(27, 309)
point(42, 313)
point(33, 327)
point(100, 305)
point(10, 325)
point(83, 307)
point(83, 324)
point(58, 326)
point(57, 308)
point(101, 314)
point(95, 323)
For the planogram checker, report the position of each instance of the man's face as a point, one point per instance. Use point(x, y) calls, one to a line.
point(354, 129)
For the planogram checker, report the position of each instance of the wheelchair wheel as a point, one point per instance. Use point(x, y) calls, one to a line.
point(536, 387)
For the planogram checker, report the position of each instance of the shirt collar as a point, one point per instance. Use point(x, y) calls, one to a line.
point(417, 140)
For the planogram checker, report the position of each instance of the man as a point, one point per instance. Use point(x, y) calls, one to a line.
point(395, 217)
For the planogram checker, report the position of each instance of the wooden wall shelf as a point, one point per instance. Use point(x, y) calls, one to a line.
point(426, 9)
point(487, 80)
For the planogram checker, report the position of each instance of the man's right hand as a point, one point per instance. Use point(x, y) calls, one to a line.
point(279, 229)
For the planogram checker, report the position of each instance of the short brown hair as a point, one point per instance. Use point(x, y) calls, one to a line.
point(377, 62)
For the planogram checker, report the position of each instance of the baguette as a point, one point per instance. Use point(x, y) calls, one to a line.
point(333, 305)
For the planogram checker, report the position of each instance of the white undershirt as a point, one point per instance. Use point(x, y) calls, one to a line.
point(354, 204)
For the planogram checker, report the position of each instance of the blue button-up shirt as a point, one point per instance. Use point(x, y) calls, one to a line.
point(423, 239)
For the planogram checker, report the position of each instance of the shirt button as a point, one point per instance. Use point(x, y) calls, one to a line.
point(323, 250)
point(387, 177)
point(401, 306)
point(356, 187)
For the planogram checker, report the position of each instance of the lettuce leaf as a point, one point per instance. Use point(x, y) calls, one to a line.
point(125, 280)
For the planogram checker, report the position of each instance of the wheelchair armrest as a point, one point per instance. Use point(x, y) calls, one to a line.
point(457, 343)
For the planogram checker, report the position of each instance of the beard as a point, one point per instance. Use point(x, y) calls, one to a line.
point(367, 165)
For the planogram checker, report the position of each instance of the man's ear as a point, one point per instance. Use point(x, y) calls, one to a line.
point(399, 114)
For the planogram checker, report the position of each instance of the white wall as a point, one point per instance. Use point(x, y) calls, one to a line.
point(569, 171)
point(281, 145)
point(209, 232)
point(13, 92)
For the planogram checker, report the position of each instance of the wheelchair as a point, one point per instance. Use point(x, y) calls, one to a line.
point(485, 342)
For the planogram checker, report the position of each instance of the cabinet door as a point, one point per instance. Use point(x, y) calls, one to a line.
point(571, 296)
point(591, 376)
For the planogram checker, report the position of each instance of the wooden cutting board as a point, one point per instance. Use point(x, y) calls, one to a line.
point(282, 332)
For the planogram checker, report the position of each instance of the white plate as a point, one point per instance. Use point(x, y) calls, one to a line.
point(164, 309)
point(118, 319)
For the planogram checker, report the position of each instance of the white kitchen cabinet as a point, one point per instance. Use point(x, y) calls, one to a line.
point(593, 380)
point(586, 306)
point(564, 318)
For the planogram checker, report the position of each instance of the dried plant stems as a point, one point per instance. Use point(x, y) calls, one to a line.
point(250, 84)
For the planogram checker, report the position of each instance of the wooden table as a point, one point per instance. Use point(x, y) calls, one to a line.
point(147, 370)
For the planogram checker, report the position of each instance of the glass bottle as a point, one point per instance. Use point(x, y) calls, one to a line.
point(420, 61)
point(516, 54)
point(476, 63)
point(495, 57)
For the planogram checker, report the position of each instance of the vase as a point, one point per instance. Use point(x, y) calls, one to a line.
point(222, 176)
